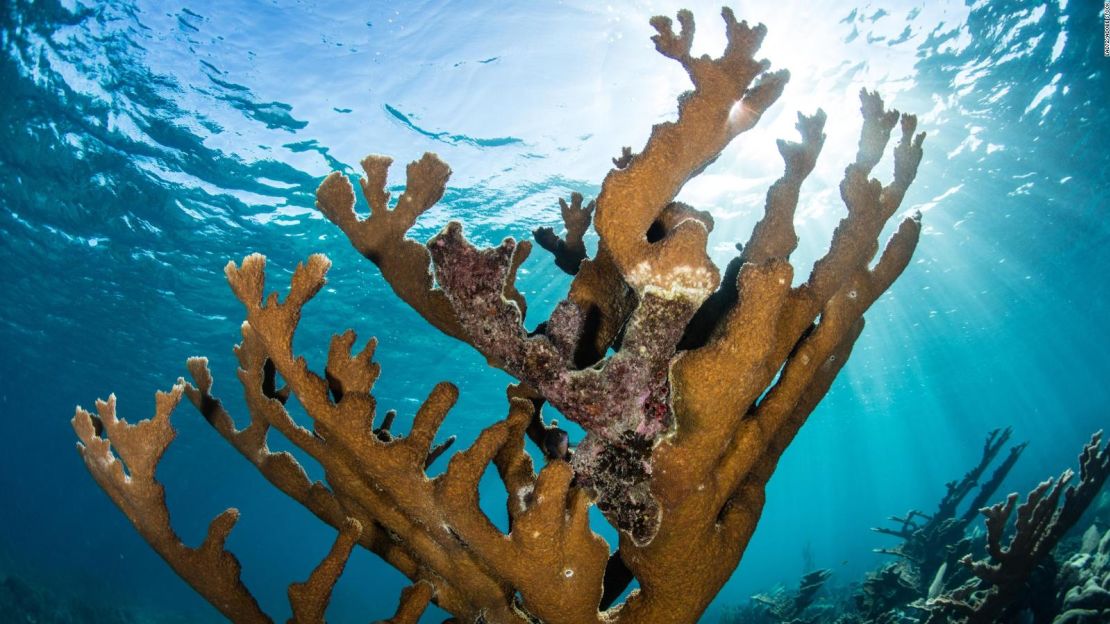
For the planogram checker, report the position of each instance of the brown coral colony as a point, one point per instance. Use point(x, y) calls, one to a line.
point(708, 378)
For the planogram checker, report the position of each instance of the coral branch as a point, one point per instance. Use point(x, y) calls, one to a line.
point(773, 236)
point(442, 521)
point(310, 599)
point(414, 600)
point(129, 481)
point(600, 292)
point(622, 161)
point(773, 326)
point(727, 100)
point(570, 251)
point(381, 236)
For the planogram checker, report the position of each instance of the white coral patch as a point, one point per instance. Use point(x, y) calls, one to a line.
point(680, 282)
point(522, 496)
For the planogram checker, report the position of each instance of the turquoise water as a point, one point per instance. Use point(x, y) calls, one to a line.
point(145, 144)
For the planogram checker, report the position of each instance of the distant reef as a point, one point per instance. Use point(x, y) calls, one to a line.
point(1041, 560)
point(25, 602)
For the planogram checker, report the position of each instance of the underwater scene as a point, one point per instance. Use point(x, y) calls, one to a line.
point(555, 312)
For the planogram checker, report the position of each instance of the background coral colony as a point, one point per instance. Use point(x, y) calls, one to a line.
point(146, 145)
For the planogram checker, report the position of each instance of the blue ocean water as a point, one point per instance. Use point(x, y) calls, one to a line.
point(144, 144)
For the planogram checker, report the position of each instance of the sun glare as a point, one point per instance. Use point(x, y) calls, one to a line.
point(832, 51)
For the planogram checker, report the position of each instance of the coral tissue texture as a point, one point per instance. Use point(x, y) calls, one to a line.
point(689, 381)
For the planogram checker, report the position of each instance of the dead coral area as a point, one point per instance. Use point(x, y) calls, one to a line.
point(786, 606)
point(1041, 559)
point(1084, 580)
point(689, 381)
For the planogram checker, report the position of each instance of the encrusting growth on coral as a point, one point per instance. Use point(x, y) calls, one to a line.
point(689, 384)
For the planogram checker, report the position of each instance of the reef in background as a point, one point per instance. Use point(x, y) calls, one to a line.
point(1048, 563)
point(22, 601)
